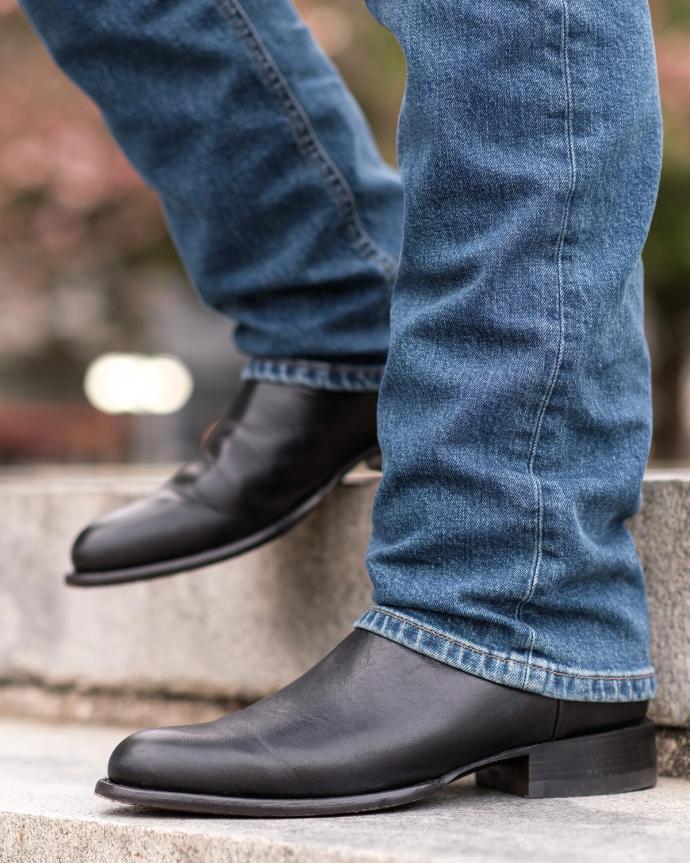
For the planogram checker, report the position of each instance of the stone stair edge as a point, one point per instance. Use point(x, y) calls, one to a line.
point(86, 479)
point(48, 813)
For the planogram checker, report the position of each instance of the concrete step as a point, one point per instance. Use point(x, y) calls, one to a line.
point(231, 632)
point(48, 813)
point(181, 649)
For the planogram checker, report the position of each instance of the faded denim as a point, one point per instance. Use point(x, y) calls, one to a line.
point(515, 404)
point(285, 215)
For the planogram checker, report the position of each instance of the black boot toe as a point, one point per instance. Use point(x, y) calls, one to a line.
point(276, 455)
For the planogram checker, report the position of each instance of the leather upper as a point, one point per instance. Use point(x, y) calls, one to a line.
point(372, 715)
point(275, 448)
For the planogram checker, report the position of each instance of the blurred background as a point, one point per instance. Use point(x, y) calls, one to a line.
point(107, 355)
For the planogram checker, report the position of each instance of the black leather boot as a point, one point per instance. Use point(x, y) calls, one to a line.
point(375, 725)
point(271, 460)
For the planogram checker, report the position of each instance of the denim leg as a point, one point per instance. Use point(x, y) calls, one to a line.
point(286, 217)
point(515, 407)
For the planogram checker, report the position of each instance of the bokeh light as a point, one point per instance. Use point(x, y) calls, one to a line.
point(134, 383)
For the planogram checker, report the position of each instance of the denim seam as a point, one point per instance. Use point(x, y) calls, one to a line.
point(501, 658)
point(536, 483)
point(307, 141)
point(319, 365)
point(316, 375)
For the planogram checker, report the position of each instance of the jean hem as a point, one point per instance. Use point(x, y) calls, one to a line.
point(551, 681)
point(315, 374)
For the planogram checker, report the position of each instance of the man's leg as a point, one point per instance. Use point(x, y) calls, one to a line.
point(286, 217)
point(515, 408)
point(288, 222)
point(510, 635)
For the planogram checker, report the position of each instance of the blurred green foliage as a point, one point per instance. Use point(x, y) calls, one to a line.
point(678, 12)
point(667, 253)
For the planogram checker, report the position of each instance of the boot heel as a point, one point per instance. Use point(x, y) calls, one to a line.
point(607, 763)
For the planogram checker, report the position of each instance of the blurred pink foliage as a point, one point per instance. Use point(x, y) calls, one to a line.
point(68, 198)
point(674, 75)
point(72, 210)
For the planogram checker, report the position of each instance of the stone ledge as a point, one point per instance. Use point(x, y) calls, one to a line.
point(125, 707)
point(237, 630)
point(662, 534)
point(673, 752)
point(234, 632)
point(48, 813)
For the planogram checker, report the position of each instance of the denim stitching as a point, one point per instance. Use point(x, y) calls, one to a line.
point(536, 484)
point(316, 365)
point(318, 375)
point(483, 652)
point(306, 139)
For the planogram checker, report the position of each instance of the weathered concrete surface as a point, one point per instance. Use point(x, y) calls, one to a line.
point(236, 631)
point(191, 645)
point(673, 751)
point(662, 532)
point(126, 707)
point(48, 813)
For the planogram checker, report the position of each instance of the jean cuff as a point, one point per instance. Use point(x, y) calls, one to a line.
point(315, 374)
point(548, 680)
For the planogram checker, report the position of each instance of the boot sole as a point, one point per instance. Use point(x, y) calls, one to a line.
point(216, 555)
point(611, 762)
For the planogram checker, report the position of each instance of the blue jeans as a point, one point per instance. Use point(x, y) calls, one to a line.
point(514, 405)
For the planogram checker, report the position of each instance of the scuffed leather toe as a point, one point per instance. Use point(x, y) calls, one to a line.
point(159, 527)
